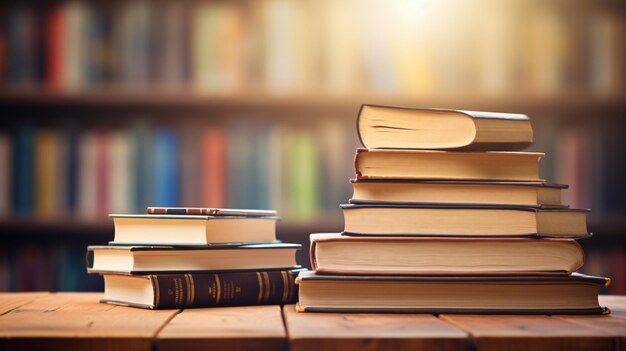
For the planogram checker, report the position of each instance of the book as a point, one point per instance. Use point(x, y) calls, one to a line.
point(339, 254)
point(426, 164)
point(166, 168)
point(162, 291)
point(168, 259)
point(211, 211)
point(213, 167)
point(463, 220)
point(428, 128)
point(574, 294)
point(534, 194)
point(191, 229)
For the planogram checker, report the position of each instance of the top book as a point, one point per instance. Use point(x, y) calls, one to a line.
point(388, 127)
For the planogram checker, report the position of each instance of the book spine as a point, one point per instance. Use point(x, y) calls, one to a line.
point(358, 173)
point(224, 289)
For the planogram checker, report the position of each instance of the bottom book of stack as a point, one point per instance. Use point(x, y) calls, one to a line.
point(573, 294)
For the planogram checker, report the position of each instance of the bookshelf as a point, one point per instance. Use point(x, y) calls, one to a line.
point(290, 75)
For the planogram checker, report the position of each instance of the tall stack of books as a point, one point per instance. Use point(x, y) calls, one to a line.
point(196, 257)
point(472, 230)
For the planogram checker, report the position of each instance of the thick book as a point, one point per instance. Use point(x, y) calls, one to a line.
point(430, 128)
point(532, 194)
point(339, 254)
point(168, 259)
point(447, 165)
point(217, 289)
point(191, 229)
point(210, 211)
point(573, 294)
point(463, 220)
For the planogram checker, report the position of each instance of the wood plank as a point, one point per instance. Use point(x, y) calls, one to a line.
point(613, 324)
point(343, 331)
point(77, 321)
point(226, 328)
point(11, 301)
point(518, 332)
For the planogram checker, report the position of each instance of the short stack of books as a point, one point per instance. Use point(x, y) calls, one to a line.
point(196, 257)
point(471, 230)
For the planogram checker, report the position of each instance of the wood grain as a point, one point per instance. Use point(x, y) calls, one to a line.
point(339, 331)
point(517, 332)
point(77, 321)
point(11, 301)
point(227, 328)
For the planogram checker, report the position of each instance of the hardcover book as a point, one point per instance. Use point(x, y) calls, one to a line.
point(336, 254)
point(532, 194)
point(463, 220)
point(191, 229)
point(446, 165)
point(208, 211)
point(217, 289)
point(429, 128)
point(168, 259)
point(574, 294)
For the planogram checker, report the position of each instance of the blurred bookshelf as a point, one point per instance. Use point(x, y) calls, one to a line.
point(114, 106)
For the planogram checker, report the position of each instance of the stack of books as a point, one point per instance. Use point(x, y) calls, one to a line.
point(472, 230)
point(196, 257)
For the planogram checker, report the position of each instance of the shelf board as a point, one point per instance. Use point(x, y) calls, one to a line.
point(104, 228)
point(575, 103)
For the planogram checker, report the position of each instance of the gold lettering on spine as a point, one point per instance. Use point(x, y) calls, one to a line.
point(193, 290)
point(285, 286)
point(157, 293)
point(219, 289)
point(266, 279)
point(258, 275)
point(188, 284)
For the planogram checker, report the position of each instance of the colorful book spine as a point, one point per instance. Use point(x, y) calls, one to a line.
point(23, 175)
point(166, 168)
point(214, 167)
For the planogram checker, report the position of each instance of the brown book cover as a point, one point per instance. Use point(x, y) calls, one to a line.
point(217, 289)
point(209, 211)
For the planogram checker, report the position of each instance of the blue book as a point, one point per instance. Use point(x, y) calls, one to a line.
point(23, 196)
point(166, 168)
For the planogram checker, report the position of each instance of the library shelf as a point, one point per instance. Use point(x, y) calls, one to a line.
point(610, 227)
point(566, 105)
point(14, 229)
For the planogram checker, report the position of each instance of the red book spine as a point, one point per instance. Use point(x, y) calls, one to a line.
point(214, 168)
point(102, 175)
point(54, 62)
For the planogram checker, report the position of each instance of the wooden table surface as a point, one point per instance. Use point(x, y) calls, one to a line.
point(76, 321)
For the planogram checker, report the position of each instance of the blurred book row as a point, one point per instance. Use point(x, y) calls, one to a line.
point(590, 159)
point(338, 47)
point(85, 174)
point(46, 267)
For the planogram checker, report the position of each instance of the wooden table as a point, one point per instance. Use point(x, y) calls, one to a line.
point(76, 321)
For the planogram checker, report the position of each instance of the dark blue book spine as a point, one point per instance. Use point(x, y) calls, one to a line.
point(24, 171)
point(166, 168)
